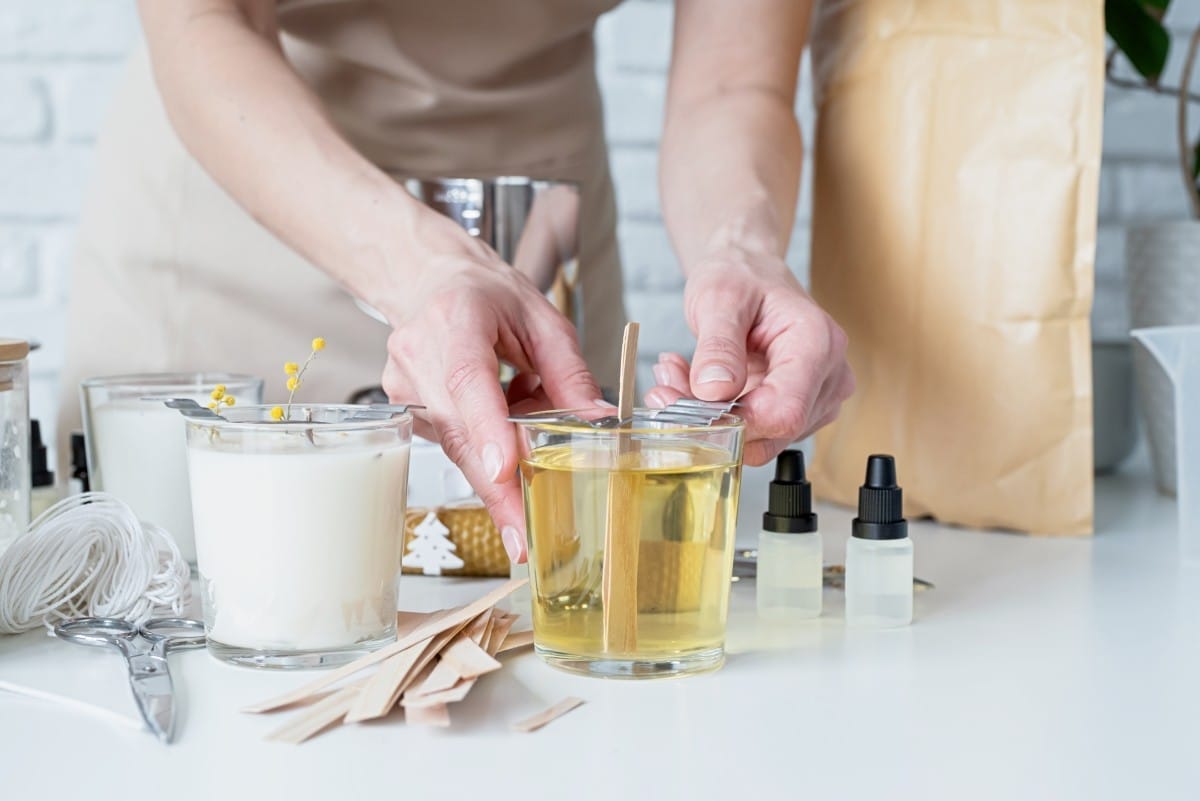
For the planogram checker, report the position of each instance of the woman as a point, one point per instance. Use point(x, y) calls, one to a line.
point(237, 209)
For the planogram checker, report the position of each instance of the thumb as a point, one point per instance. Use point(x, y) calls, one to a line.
point(719, 363)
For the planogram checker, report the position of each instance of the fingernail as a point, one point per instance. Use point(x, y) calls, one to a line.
point(604, 403)
point(514, 544)
point(660, 374)
point(493, 461)
point(714, 373)
point(663, 358)
point(655, 402)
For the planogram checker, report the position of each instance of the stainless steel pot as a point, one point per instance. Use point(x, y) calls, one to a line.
point(532, 224)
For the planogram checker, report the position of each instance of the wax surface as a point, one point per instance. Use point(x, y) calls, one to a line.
point(140, 450)
point(299, 550)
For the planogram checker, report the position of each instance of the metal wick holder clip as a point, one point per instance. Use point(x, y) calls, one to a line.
point(685, 411)
point(374, 411)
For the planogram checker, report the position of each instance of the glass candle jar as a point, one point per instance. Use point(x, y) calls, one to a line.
point(299, 524)
point(631, 542)
point(14, 438)
point(136, 447)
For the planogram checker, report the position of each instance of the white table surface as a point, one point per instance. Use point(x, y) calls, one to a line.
point(1037, 668)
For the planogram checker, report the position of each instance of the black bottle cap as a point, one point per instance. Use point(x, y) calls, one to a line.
point(880, 503)
point(789, 505)
point(39, 472)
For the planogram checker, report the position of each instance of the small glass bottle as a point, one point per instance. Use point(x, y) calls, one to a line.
point(879, 554)
point(790, 567)
point(14, 438)
point(42, 494)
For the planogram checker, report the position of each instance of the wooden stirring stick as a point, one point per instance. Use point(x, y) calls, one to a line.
point(622, 534)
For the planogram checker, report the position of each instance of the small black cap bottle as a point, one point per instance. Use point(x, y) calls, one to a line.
point(40, 474)
point(789, 504)
point(880, 503)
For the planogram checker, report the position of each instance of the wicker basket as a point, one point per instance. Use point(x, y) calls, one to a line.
point(476, 540)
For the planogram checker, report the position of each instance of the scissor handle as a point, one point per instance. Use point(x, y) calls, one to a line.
point(174, 633)
point(106, 632)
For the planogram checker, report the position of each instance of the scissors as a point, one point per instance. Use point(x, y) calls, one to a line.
point(145, 649)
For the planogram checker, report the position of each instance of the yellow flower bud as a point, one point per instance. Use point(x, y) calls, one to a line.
point(318, 344)
point(220, 388)
point(218, 393)
point(212, 405)
point(291, 368)
point(292, 383)
point(276, 412)
point(230, 400)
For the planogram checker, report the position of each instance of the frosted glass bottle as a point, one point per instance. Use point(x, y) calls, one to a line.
point(879, 554)
point(789, 575)
point(790, 570)
point(879, 582)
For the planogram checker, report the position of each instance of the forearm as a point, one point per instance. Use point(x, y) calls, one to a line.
point(731, 152)
point(263, 135)
point(729, 173)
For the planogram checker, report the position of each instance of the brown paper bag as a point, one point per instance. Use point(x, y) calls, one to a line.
point(956, 176)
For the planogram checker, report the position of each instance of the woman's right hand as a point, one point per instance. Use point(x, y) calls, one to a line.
point(456, 309)
point(460, 312)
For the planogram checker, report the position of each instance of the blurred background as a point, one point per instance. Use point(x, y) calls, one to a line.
point(60, 59)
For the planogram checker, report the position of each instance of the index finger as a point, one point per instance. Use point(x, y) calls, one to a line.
point(471, 374)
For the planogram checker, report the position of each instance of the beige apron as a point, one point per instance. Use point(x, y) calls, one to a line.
point(170, 274)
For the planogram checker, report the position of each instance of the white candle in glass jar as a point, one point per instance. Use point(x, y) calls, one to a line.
point(137, 447)
point(139, 451)
point(299, 550)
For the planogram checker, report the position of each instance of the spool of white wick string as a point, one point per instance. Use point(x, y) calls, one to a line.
point(89, 556)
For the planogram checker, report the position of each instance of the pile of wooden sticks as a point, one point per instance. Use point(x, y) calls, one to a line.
point(435, 661)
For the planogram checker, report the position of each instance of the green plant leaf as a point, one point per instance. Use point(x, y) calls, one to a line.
point(1157, 5)
point(1140, 36)
point(1196, 160)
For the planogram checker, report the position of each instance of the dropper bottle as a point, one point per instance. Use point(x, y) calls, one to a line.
point(789, 546)
point(879, 554)
point(42, 494)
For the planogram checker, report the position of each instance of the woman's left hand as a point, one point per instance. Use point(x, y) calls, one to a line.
point(760, 338)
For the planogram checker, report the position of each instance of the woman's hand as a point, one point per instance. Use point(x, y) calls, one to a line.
point(259, 129)
point(761, 337)
point(729, 172)
point(462, 312)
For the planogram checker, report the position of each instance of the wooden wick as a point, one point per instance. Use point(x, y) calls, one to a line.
point(622, 532)
point(547, 715)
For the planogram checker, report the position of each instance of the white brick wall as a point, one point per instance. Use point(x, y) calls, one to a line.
point(59, 60)
point(1140, 180)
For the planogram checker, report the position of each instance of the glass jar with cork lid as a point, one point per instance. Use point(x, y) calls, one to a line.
point(14, 437)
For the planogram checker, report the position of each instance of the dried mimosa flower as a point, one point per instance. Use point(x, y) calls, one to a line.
point(295, 373)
